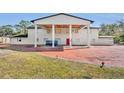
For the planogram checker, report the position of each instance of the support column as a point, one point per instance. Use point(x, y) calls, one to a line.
point(53, 35)
point(70, 35)
point(88, 36)
point(35, 41)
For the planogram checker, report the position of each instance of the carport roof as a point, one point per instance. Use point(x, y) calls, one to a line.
point(20, 35)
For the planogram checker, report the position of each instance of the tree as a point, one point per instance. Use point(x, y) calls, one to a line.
point(121, 25)
point(6, 30)
point(106, 29)
point(115, 29)
point(109, 29)
point(22, 26)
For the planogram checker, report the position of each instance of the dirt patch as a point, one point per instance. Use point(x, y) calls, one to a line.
point(4, 52)
point(111, 55)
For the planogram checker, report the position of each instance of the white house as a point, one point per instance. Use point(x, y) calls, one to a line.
point(62, 29)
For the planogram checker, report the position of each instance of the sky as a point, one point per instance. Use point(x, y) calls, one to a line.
point(98, 18)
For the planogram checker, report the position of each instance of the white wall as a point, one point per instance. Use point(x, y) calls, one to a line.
point(104, 41)
point(4, 40)
point(79, 38)
point(24, 40)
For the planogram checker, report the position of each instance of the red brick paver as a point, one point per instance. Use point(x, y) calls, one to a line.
point(111, 55)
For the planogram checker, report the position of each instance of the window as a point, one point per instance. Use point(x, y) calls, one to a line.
point(58, 40)
point(19, 40)
point(45, 39)
point(67, 30)
point(37, 39)
point(58, 30)
point(75, 30)
point(48, 30)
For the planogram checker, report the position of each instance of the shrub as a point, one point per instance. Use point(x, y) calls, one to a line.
point(122, 43)
point(122, 38)
point(117, 39)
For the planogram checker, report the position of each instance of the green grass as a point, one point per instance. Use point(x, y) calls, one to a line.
point(32, 65)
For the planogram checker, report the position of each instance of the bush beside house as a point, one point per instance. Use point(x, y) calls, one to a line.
point(119, 39)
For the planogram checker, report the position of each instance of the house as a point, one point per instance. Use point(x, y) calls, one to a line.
point(62, 29)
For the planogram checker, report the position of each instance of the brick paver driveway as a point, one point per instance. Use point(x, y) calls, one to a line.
point(111, 55)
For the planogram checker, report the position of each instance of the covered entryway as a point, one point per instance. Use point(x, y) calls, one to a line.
point(58, 21)
point(63, 36)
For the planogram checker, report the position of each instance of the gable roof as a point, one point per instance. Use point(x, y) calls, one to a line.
point(62, 14)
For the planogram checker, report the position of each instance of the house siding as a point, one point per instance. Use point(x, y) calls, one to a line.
point(79, 38)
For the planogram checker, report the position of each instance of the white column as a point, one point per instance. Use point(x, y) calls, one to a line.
point(70, 35)
point(53, 35)
point(35, 41)
point(88, 36)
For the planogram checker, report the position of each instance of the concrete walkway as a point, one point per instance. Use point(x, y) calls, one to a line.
point(111, 55)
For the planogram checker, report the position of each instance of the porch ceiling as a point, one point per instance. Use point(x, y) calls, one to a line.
point(62, 26)
point(58, 28)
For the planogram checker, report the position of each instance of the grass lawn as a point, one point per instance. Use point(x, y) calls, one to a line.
point(19, 65)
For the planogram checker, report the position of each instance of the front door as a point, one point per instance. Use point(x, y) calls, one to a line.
point(67, 41)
